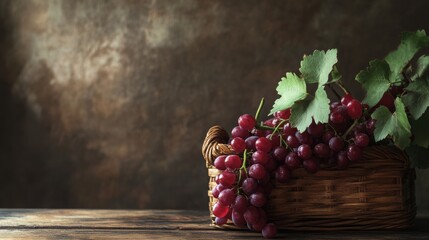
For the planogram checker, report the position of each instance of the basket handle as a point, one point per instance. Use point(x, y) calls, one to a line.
point(215, 144)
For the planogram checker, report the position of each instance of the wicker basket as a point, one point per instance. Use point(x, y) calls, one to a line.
point(375, 193)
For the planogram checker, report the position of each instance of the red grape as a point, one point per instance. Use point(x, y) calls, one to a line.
point(304, 151)
point(247, 122)
point(227, 196)
point(284, 114)
point(238, 219)
point(303, 138)
point(283, 174)
point(288, 130)
point(250, 143)
point(361, 140)
point(251, 215)
point(227, 178)
point(342, 160)
point(269, 231)
point(388, 101)
point(322, 150)
point(249, 186)
point(238, 145)
point(316, 130)
point(292, 161)
point(263, 144)
point(219, 162)
point(257, 171)
point(292, 141)
point(311, 165)
point(240, 204)
point(336, 117)
point(233, 162)
point(239, 132)
point(336, 144)
point(354, 153)
point(260, 157)
point(346, 99)
point(258, 199)
point(221, 221)
point(354, 109)
point(279, 153)
point(220, 210)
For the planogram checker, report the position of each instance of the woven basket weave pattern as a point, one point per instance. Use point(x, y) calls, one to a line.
point(375, 193)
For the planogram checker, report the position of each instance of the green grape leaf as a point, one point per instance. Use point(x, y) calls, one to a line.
point(420, 127)
point(304, 111)
point(316, 67)
point(411, 43)
point(418, 156)
point(417, 97)
point(395, 125)
point(375, 80)
point(335, 74)
point(291, 89)
point(422, 67)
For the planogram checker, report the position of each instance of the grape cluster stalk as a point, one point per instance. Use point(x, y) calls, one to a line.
point(273, 149)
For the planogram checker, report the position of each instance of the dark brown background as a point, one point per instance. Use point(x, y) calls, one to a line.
point(104, 104)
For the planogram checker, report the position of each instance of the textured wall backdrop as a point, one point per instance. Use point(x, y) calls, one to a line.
point(105, 104)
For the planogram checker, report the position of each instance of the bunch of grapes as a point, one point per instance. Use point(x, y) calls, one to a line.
point(273, 149)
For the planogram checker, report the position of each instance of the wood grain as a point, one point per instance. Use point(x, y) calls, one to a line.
point(155, 224)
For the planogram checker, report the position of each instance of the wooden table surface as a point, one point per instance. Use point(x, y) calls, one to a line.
point(155, 224)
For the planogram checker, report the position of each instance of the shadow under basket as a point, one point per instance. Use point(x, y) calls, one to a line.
point(376, 193)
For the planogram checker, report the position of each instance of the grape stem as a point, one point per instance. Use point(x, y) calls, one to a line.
point(277, 128)
point(243, 165)
point(350, 128)
point(263, 127)
point(342, 87)
point(261, 104)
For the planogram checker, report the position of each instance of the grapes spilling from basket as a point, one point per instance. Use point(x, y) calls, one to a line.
point(309, 132)
point(273, 149)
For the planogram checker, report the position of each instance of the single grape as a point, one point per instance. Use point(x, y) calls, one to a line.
point(250, 143)
point(220, 210)
point(283, 174)
point(292, 161)
point(280, 153)
point(269, 231)
point(238, 219)
point(292, 141)
point(270, 122)
point(361, 140)
point(239, 132)
point(336, 144)
point(215, 192)
point(342, 160)
point(238, 145)
point(227, 196)
point(336, 117)
point(303, 138)
point(311, 165)
point(284, 114)
point(316, 130)
point(288, 130)
point(260, 157)
point(227, 178)
point(219, 162)
point(258, 199)
point(346, 99)
point(251, 215)
point(263, 144)
point(275, 139)
point(327, 136)
point(271, 164)
point(354, 153)
point(354, 109)
point(261, 222)
point(249, 186)
point(233, 162)
point(370, 126)
point(322, 150)
point(304, 151)
point(240, 204)
point(220, 221)
point(247, 122)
